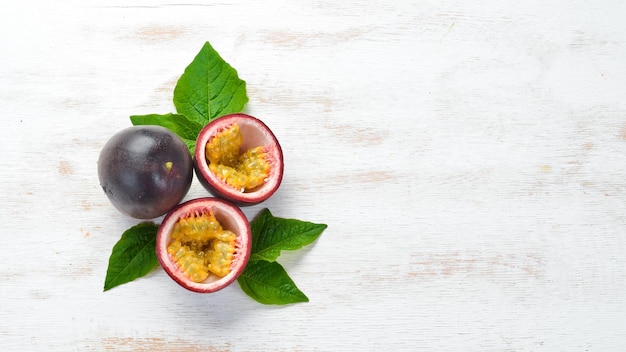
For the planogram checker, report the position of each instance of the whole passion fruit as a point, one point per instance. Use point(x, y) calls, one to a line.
point(238, 158)
point(145, 170)
point(204, 244)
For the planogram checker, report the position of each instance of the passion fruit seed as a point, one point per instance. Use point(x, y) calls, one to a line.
point(200, 246)
point(240, 171)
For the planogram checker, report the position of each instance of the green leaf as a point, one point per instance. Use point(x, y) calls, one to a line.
point(271, 235)
point(133, 256)
point(209, 88)
point(268, 283)
point(186, 129)
point(264, 279)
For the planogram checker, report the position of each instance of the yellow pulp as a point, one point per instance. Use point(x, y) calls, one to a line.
point(243, 171)
point(201, 246)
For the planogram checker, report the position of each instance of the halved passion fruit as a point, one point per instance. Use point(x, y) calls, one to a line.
point(204, 244)
point(238, 158)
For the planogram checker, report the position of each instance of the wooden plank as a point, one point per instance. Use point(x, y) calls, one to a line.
point(468, 157)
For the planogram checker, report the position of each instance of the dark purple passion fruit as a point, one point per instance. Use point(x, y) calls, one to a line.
point(238, 158)
point(145, 170)
point(204, 244)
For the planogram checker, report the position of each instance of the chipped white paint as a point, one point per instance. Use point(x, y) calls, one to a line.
point(469, 158)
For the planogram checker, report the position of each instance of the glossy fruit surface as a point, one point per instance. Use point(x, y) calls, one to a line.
point(204, 244)
point(145, 171)
point(238, 158)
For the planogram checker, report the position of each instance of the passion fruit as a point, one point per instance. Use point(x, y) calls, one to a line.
point(145, 170)
point(238, 158)
point(204, 244)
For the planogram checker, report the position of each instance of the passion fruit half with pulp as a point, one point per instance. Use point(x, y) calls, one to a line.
point(145, 170)
point(204, 244)
point(238, 158)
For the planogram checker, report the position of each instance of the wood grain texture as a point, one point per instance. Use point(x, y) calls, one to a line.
point(469, 158)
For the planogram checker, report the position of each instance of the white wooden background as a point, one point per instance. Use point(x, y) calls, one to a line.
point(469, 158)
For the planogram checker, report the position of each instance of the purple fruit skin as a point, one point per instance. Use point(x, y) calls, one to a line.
point(134, 174)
